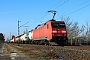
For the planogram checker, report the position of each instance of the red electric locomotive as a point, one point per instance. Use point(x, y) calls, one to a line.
point(52, 32)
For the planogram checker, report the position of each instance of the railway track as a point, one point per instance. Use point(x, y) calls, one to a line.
point(57, 52)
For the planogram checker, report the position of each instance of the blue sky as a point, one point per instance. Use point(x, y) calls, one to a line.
point(32, 11)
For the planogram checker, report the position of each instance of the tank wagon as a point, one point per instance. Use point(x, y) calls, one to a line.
point(52, 32)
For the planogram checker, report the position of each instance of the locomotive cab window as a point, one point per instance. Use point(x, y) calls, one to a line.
point(58, 25)
point(61, 25)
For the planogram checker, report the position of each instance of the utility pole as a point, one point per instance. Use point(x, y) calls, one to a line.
point(18, 27)
point(21, 26)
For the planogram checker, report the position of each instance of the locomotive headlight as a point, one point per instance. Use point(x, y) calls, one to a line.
point(63, 31)
point(54, 31)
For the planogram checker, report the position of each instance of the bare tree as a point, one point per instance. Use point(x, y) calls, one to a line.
point(75, 31)
point(87, 32)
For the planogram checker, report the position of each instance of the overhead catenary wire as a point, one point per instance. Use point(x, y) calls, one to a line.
point(39, 18)
point(76, 6)
point(61, 4)
point(56, 4)
point(78, 9)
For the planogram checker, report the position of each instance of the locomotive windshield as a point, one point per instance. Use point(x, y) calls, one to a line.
point(58, 25)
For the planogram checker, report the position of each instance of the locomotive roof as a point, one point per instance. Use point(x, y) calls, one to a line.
point(62, 22)
point(52, 20)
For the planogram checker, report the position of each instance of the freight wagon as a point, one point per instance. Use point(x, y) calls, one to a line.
point(22, 38)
